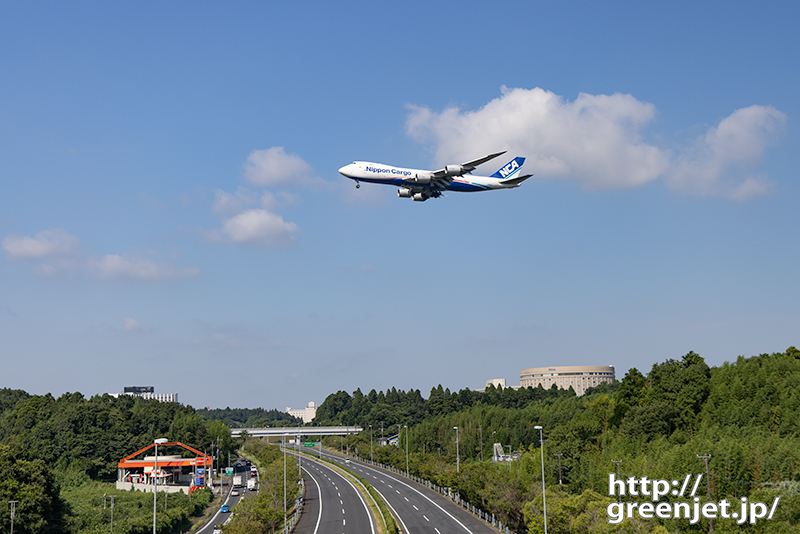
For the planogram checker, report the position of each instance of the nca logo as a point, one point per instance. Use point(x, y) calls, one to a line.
point(508, 169)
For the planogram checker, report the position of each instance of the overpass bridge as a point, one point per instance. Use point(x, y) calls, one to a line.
point(297, 431)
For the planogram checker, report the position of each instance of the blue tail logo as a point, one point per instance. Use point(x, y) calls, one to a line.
point(509, 169)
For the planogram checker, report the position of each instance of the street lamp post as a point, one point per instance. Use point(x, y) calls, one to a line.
point(544, 499)
point(458, 457)
point(480, 429)
point(157, 442)
point(283, 439)
point(406, 427)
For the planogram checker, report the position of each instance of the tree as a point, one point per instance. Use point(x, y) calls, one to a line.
point(39, 508)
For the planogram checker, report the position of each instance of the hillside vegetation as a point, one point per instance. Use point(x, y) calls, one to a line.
point(745, 414)
point(58, 455)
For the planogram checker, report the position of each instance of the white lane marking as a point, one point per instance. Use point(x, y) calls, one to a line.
point(319, 517)
point(405, 528)
point(358, 493)
point(425, 497)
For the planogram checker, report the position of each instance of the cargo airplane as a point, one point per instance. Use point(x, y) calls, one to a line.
point(422, 185)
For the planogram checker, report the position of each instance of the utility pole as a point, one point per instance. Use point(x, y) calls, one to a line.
point(559, 465)
point(12, 503)
point(618, 474)
point(705, 458)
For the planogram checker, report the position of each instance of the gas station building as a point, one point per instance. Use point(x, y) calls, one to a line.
point(175, 473)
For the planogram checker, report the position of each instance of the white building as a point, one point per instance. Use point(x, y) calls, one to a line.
point(148, 392)
point(307, 414)
point(580, 377)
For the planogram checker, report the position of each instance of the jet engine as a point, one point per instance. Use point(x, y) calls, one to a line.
point(404, 193)
point(420, 197)
point(454, 170)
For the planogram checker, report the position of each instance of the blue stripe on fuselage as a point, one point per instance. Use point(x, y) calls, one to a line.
point(466, 187)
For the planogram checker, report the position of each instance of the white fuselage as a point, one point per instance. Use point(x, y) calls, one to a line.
point(365, 171)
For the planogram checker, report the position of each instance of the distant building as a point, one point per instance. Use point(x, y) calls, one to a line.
point(580, 377)
point(148, 392)
point(496, 382)
point(307, 414)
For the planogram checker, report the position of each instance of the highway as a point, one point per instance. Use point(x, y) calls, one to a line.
point(332, 504)
point(231, 500)
point(419, 508)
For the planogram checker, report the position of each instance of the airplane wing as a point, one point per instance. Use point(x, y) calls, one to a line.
point(442, 178)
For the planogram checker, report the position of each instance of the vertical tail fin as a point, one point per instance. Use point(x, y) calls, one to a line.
point(509, 169)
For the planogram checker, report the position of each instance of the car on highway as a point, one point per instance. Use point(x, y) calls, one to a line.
point(224, 509)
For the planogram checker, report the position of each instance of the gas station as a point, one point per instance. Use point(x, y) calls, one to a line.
point(171, 473)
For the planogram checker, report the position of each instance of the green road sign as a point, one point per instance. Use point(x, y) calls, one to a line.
point(309, 443)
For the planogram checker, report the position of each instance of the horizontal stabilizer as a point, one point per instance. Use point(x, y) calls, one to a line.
point(514, 182)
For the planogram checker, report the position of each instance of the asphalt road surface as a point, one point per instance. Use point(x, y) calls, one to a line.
point(420, 509)
point(332, 504)
point(231, 500)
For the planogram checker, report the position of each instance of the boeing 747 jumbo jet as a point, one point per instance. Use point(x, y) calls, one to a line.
point(422, 185)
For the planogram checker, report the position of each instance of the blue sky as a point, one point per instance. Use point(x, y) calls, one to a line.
point(171, 212)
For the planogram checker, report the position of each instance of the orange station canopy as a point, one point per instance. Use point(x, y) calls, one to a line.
point(201, 460)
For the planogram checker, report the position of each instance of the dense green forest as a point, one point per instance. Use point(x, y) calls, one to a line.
point(249, 417)
point(745, 415)
point(57, 456)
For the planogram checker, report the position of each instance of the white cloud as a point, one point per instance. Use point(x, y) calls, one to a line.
point(721, 162)
point(132, 325)
point(594, 140)
point(273, 167)
point(54, 252)
point(47, 243)
point(229, 203)
point(116, 267)
point(261, 228)
point(598, 141)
